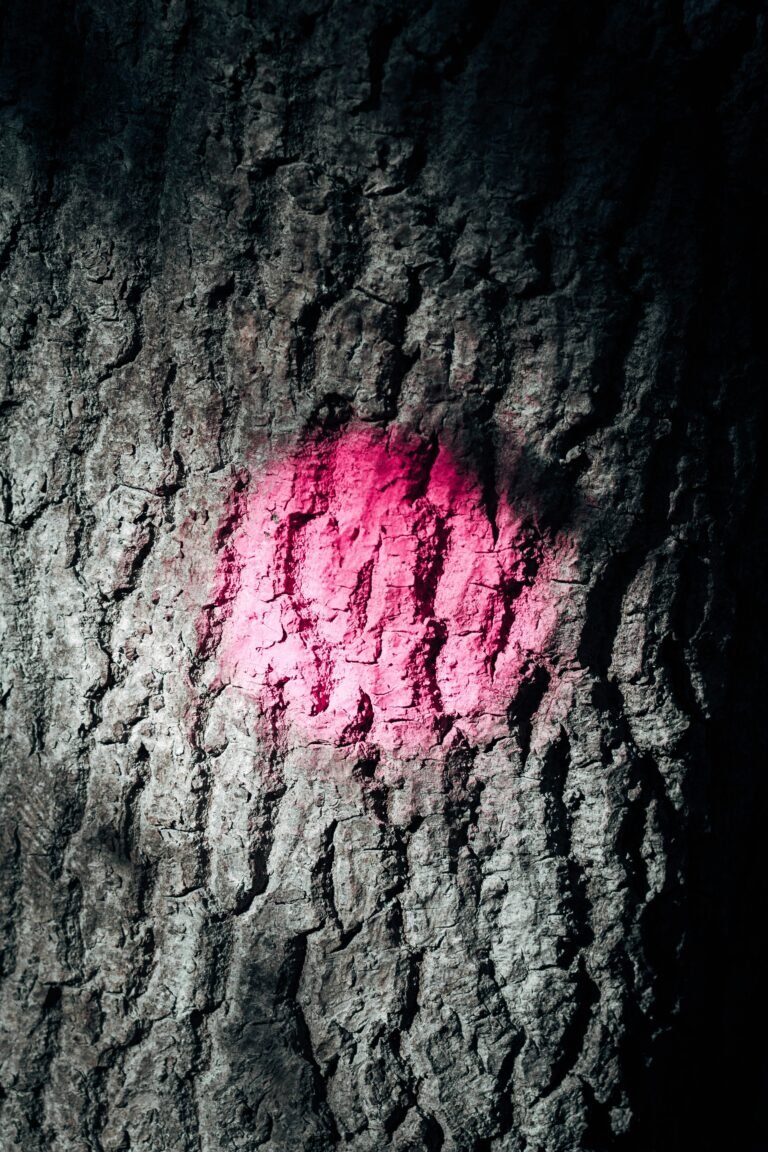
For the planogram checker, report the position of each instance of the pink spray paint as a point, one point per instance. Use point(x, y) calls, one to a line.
point(366, 595)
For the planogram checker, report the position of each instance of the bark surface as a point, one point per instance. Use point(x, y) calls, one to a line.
point(536, 230)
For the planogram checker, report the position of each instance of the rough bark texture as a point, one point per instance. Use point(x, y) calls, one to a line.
point(537, 229)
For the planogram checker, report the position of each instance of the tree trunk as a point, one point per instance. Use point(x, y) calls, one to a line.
point(529, 234)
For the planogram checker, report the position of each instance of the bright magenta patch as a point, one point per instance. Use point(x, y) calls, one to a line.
point(367, 596)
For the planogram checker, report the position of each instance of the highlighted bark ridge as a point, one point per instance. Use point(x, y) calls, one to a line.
point(367, 595)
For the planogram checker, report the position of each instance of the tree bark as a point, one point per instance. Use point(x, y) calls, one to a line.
point(535, 230)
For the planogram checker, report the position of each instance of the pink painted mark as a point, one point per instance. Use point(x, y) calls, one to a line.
point(366, 595)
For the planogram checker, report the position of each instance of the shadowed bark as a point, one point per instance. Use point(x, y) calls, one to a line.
point(535, 231)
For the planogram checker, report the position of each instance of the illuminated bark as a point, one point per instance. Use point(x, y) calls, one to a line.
point(530, 233)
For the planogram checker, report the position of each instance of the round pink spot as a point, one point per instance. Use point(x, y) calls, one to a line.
point(366, 594)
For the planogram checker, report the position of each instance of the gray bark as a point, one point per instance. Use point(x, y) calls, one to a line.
point(532, 227)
